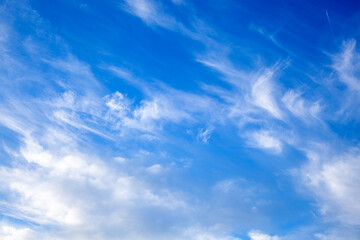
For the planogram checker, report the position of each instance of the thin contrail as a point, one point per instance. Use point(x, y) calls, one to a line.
point(328, 18)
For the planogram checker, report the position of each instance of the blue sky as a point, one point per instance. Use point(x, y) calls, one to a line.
point(179, 119)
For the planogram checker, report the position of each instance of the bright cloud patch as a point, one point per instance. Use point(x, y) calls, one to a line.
point(258, 235)
point(335, 183)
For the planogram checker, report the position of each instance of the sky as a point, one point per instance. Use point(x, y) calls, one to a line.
point(179, 120)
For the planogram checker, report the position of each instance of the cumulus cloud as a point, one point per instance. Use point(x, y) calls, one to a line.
point(58, 188)
point(149, 116)
point(8, 232)
point(117, 103)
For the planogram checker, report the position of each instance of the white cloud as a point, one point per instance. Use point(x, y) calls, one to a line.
point(347, 68)
point(339, 232)
point(162, 105)
point(151, 110)
point(205, 134)
point(41, 191)
point(74, 192)
point(8, 232)
point(144, 9)
point(254, 97)
point(120, 159)
point(218, 61)
point(253, 102)
point(57, 179)
point(262, 94)
point(155, 169)
point(300, 107)
point(72, 119)
point(334, 180)
point(117, 102)
point(258, 235)
point(150, 12)
point(151, 114)
point(39, 199)
point(265, 140)
point(347, 65)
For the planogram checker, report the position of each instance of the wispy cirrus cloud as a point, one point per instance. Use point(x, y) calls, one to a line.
point(254, 96)
point(57, 179)
point(205, 134)
point(300, 107)
point(262, 93)
point(150, 12)
point(94, 163)
point(49, 129)
point(346, 64)
point(332, 177)
point(162, 104)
